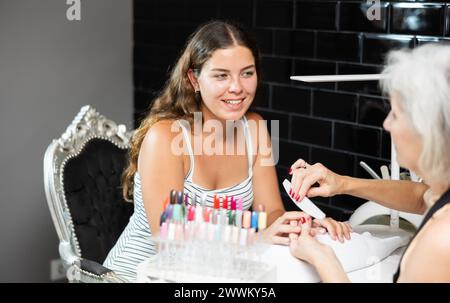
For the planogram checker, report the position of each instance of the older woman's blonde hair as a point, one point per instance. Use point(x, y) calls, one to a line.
point(421, 79)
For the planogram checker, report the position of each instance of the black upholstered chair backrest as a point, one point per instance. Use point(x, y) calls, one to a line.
point(92, 187)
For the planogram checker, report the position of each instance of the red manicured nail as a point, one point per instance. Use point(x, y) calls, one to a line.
point(290, 170)
point(290, 192)
point(302, 220)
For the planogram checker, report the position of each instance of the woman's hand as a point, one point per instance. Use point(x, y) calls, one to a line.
point(304, 176)
point(321, 256)
point(278, 232)
point(337, 230)
point(305, 247)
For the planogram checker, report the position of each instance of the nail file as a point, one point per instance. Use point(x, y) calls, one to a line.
point(305, 205)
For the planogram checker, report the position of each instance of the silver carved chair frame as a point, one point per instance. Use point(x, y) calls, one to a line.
point(87, 125)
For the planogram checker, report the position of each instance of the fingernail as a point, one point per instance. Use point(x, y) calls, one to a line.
point(290, 170)
point(302, 220)
point(290, 192)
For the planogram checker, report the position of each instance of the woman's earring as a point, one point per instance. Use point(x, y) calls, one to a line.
point(197, 96)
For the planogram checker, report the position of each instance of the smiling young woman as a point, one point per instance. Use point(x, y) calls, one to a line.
point(216, 76)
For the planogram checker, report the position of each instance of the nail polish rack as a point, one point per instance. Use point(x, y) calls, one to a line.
point(198, 243)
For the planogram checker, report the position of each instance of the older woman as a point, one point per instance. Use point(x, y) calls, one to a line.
point(418, 83)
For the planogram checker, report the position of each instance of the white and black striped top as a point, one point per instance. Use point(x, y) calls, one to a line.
point(135, 244)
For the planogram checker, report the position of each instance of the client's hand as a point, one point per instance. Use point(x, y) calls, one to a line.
point(304, 176)
point(305, 246)
point(337, 230)
point(278, 232)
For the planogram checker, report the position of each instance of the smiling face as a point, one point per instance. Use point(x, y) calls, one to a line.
point(227, 83)
point(408, 143)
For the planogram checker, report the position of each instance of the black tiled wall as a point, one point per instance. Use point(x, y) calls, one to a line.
point(338, 124)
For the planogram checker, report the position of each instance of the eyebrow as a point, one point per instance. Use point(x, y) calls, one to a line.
point(226, 70)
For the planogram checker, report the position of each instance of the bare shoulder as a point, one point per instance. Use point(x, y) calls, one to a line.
point(252, 116)
point(429, 259)
point(161, 134)
point(159, 141)
point(438, 233)
point(254, 122)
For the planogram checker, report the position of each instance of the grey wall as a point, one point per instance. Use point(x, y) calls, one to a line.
point(49, 68)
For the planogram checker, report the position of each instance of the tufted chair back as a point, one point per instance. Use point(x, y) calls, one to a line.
point(82, 178)
point(94, 197)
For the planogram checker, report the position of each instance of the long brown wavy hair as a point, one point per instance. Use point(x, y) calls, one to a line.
point(178, 99)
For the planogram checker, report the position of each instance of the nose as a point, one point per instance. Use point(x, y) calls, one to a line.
point(235, 86)
point(386, 123)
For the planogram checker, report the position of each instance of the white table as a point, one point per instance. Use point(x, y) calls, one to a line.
point(287, 269)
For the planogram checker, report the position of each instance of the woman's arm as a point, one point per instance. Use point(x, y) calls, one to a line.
point(402, 195)
point(265, 182)
point(160, 168)
point(397, 194)
point(321, 256)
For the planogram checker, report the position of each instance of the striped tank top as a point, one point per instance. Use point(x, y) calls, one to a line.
point(135, 244)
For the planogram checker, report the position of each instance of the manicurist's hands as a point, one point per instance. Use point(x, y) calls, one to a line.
point(304, 176)
point(305, 247)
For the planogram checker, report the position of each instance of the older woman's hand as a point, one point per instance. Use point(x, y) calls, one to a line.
point(305, 246)
point(304, 176)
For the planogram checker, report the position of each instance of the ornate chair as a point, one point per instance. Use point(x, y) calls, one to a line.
point(82, 172)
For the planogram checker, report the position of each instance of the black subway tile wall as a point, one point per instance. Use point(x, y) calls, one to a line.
point(447, 18)
point(371, 111)
point(353, 18)
point(316, 15)
point(338, 46)
point(418, 18)
point(338, 124)
point(334, 105)
point(311, 130)
point(291, 99)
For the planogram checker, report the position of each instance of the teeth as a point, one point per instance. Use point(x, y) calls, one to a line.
point(233, 101)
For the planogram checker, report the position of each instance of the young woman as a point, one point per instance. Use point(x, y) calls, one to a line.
point(214, 81)
point(418, 83)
